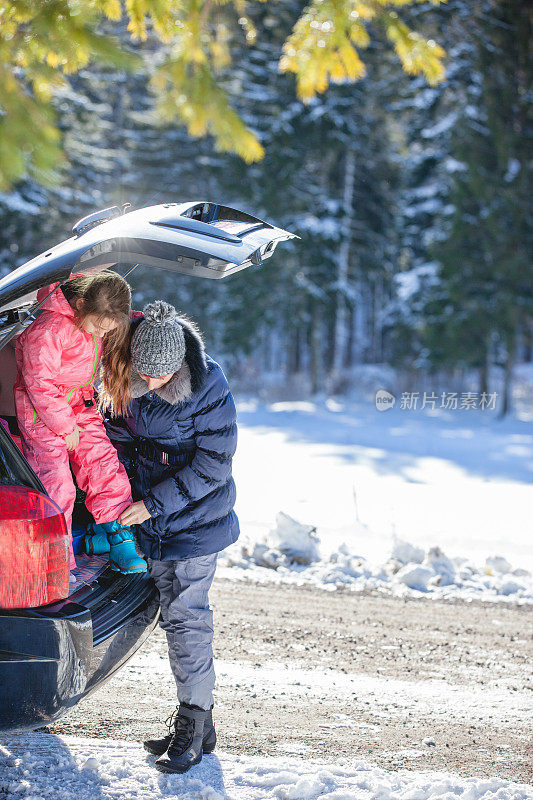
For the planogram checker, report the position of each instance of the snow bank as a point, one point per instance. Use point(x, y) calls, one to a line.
point(35, 766)
point(445, 483)
point(459, 480)
point(292, 553)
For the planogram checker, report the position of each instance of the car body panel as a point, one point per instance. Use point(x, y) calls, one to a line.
point(53, 656)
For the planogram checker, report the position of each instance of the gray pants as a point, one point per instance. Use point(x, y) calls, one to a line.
point(188, 623)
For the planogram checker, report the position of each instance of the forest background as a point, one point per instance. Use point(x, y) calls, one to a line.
point(411, 198)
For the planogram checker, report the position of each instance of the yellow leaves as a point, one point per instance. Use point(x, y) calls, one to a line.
point(113, 10)
point(42, 42)
point(185, 84)
point(247, 25)
point(141, 15)
point(190, 93)
point(353, 66)
point(418, 55)
point(322, 46)
point(136, 11)
point(43, 90)
point(161, 14)
point(197, 54)
point(219, 48)
point(52, 59)
point(359, 34)
point(363, 11)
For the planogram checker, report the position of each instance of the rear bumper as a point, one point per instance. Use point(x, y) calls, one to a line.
point(53, 656)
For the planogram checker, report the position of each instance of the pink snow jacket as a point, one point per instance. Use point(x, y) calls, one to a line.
point(57, 363)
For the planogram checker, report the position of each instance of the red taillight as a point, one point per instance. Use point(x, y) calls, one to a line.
point(34, 549)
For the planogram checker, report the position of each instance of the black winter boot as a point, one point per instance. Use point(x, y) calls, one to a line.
point(159, 746)
point(185, 748)
point(210, 735)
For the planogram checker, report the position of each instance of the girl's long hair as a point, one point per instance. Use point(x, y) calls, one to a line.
point(108, 296)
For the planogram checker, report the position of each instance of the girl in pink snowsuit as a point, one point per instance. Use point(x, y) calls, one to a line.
point(58, 358)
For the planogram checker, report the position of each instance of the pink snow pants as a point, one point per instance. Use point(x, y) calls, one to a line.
point(94, 463)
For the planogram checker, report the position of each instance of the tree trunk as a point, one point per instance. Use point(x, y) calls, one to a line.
point(508, 378)
point(316, 347)
point(372, 326)
point(351, 339)
point(294, 360)
point(484, 375)
point(359, 326)
point(341, 315)
point(378, 326)
point(527, 342)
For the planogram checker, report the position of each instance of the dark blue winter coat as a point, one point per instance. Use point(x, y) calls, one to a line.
point(177, 444)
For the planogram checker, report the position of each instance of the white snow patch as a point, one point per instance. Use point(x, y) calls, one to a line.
point(35, 766)
point(91, 763)
point(443, 567)
point(386, 697)
point(406, 552)
point(452, 165)
point(442, 126)
point(446, 491)
point(411, 281)
point(513, 168)
point(15, 202)
point(324, 226)
point(415, 577)
point(433, 698)
point(287, 544)
point(498, 564)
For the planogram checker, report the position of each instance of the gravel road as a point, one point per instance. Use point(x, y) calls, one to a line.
point(416, 684)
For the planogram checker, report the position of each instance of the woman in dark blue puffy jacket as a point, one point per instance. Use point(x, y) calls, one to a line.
point(177, 443)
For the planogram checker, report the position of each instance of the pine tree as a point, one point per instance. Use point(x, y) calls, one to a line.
point(485, 263)
point(43, 44)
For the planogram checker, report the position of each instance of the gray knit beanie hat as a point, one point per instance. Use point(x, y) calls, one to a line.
point(158, 344)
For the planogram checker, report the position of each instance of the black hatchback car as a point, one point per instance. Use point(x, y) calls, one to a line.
point(52, 656)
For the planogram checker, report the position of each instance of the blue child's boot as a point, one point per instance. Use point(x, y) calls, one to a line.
point(95, 540)
point(123, 556)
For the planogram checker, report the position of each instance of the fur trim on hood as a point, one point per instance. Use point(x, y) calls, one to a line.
point(189, 378)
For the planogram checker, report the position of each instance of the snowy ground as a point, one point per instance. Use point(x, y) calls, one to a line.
point(337, 677)
point(37, 766)
point(340, 696)
point(413, 502)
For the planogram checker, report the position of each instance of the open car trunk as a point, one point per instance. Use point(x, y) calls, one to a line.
point(201, 239)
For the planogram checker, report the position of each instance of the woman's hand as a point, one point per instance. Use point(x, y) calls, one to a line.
point(73, 439)
point(134, 514)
